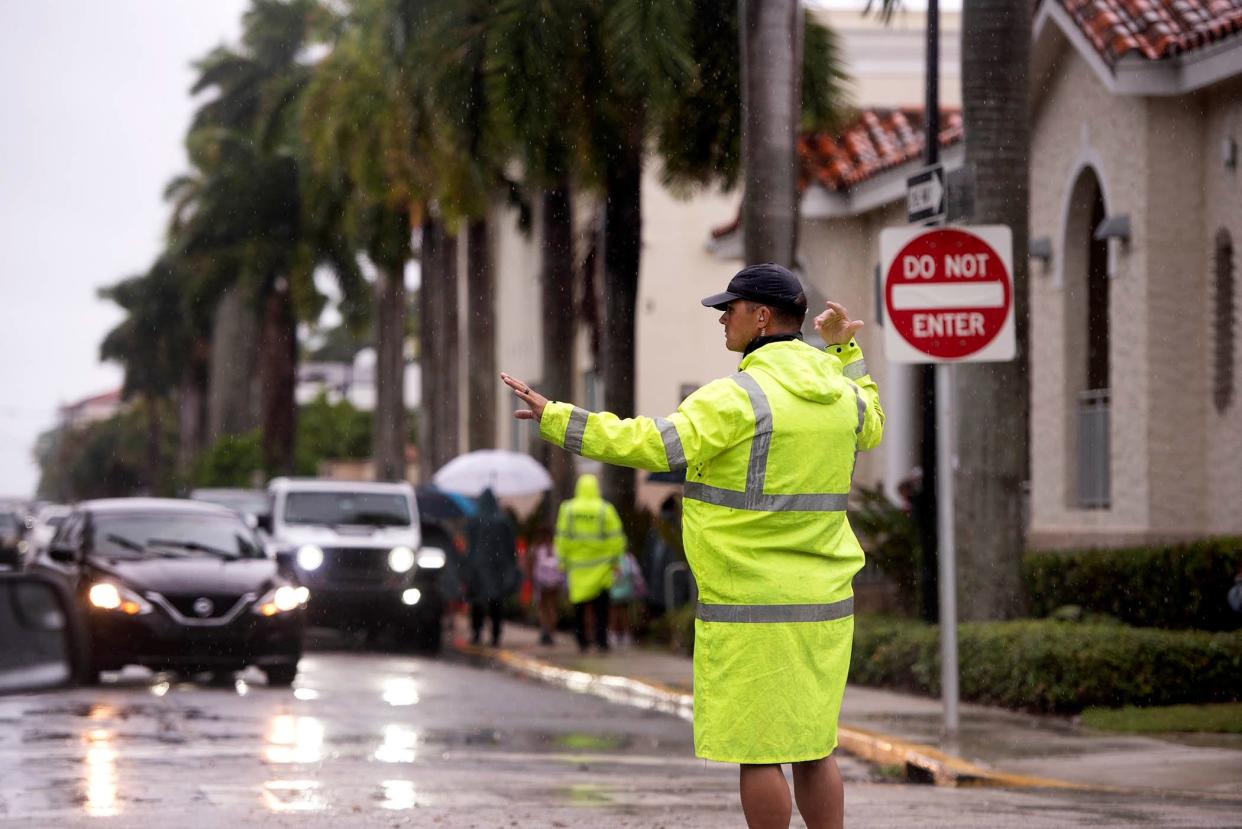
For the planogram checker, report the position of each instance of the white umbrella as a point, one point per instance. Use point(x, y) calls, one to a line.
point(504, 473)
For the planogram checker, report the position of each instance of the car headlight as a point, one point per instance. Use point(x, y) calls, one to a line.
point(411, 596)
point(431, 558)
point(108, 596)
point(401, 559)
point(309, 557)
point(282, 600)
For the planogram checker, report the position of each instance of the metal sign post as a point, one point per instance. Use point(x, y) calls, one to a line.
point(947, 550)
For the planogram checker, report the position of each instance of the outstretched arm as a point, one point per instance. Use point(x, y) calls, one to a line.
point(705, 423)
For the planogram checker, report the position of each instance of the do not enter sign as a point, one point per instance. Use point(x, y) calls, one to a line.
point(948, 294)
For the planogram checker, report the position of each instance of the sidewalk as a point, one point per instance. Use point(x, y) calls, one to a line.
point(996, 746)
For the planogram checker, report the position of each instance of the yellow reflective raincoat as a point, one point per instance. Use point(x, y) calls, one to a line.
point(769, 456)
point(589, 542)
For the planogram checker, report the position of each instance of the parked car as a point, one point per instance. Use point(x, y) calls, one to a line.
point(13, 544)
point(177, 585)
point(47, 521)
point(358, 547)
point(253, 504)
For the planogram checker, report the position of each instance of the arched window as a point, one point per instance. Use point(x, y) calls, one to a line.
point(1222, 385)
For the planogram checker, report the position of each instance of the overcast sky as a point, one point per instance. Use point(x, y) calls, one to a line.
point(94, 102)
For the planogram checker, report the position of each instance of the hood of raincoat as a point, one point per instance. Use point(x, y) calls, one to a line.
point(803, 370)
point(587, 488)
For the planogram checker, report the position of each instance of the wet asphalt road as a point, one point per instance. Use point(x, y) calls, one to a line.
point(366, 739)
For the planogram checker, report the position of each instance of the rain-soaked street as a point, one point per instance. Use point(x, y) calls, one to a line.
point(367, 739)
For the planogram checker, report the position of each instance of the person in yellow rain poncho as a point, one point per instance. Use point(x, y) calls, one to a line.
point(589, 543)
point(769, 457)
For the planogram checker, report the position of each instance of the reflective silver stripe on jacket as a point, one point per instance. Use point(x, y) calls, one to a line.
point(763, 502)
point(775, 613)
point(575, 430)
point(672, 444)
point(600, 534)
point(592, 562)
point(862, 407)
point(855, 369)
point(754, 498)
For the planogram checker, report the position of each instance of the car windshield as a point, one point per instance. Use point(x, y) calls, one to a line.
point(55, 521)
point(332, 508)
point(174, 535)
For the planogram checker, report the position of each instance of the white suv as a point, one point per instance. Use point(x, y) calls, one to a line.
point(358, 547)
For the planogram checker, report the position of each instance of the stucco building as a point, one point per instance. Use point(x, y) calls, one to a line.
point(1136, 213)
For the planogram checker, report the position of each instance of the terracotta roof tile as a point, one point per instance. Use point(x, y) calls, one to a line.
point(1154, 29)
point(877, 140)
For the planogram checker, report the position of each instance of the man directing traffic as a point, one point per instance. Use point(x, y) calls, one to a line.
point(769, 457)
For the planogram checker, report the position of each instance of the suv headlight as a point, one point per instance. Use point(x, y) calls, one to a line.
point(108, 596)
point(431, 558)
point(401, 559)
point(309, 557)
point(281, 600)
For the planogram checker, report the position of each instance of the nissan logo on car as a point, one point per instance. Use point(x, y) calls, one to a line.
point(203, 606)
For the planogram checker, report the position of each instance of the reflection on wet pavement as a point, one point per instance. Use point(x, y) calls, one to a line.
point(293, 796)
point(294, 740)
point(101, 776)
point(398, 745)
point(398, 795)
point(400, 691)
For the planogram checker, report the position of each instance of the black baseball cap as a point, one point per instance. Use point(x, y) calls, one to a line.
point(768, 284)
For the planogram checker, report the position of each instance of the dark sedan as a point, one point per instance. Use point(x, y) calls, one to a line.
point(178, 585)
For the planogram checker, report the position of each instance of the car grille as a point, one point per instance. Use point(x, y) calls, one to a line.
point(221, 604)
point(357, 563)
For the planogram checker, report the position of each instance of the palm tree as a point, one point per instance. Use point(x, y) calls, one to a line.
point(540, 54)
point(162, 346)
point(246, 215)
point(989, 527)
point(363, 120)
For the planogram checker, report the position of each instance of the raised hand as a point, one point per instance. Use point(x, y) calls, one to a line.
point(527, 395)
point(835, 326)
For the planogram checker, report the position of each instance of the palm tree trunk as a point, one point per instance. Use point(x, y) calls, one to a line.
point(993, 462)
point(278, 380)
point(557, 308)
point(438, 427)
point(428, 347)
point(771, 50)
point(231, 406)
point(389, 430)
point(480, 338)
point(192, 407)
point(623, 234)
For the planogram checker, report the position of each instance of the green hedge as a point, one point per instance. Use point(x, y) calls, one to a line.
point(1052, 666)
point(1174, 586)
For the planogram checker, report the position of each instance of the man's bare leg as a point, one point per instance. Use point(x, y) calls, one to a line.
point(820, 793)
point(765, 797)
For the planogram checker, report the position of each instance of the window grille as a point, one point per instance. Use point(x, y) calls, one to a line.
point(1222, 384)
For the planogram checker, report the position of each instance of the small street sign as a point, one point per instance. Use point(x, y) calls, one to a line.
point(927, 196)
point(948, 294)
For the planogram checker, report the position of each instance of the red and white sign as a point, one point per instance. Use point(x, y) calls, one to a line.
point(948, 294)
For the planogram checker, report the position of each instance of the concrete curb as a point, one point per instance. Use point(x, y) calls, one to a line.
point(919, 763)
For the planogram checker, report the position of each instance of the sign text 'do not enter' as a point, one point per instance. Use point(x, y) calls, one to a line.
point(948, 294)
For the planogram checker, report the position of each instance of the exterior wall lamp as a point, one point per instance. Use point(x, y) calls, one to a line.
point(1041, 249)
point(1116, 230)
point(1114, 227)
